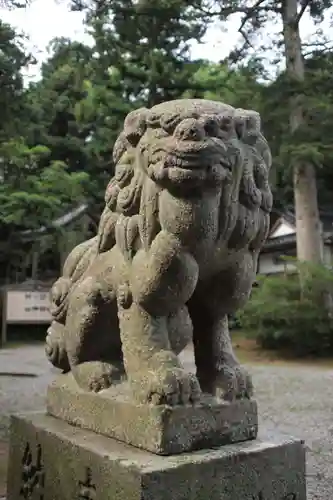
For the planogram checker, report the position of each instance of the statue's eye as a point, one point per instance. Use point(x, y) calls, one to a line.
point(211, 127)
point(226, 123)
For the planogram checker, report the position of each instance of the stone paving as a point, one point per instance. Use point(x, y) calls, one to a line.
point(293, 400)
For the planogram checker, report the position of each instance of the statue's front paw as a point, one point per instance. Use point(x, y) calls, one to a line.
point(95, 376)
point(171, 386)
point(232, 381)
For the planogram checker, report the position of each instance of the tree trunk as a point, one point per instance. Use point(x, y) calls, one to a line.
point(308, 226)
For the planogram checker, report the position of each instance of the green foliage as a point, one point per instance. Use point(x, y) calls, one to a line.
point(61, 150)
point(312, 142)
point(287, 316)
point(147, 43)
point(219, 82)
point(30, 196)
point(12, 61)
point(57, 135)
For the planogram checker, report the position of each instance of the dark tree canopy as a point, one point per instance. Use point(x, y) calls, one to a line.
point(57, 135)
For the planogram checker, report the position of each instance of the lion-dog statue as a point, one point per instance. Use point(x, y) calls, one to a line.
point(176, 253)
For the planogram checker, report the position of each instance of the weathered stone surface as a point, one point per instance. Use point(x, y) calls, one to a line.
point(68, 463)
point(185, 217)
point(164, 430)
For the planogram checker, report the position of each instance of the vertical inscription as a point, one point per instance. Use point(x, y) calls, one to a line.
point(32, 478)
point(87, 487)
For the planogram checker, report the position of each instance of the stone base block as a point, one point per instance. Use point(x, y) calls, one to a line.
point(52, 460)
point(161, 429)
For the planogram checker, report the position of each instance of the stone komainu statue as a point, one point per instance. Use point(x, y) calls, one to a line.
point(185, 217)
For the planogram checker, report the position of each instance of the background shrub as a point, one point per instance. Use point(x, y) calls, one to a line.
point(293, 312)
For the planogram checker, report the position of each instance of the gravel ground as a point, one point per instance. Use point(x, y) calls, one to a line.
point(293, 400)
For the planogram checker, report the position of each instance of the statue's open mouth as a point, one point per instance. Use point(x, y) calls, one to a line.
point(188, 171)
point(197, 155)
point(196, 166)
point(192, 164)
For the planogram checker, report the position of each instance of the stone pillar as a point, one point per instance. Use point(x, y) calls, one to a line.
point(206, 451)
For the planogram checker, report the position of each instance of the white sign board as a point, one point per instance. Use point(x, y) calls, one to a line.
point(28, 306)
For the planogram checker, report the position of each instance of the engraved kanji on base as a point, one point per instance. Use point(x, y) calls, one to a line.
point(87, 487)
point(33, 475)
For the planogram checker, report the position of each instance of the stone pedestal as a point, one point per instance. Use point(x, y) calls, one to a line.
point(52, 460)
point(163, 429)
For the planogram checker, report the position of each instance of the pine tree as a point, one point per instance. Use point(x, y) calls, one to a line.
point(146, 44)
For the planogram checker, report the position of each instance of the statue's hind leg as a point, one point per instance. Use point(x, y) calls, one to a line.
point(218, 369)
point(93, 340)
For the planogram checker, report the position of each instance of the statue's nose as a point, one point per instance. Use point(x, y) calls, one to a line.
point(190, 129)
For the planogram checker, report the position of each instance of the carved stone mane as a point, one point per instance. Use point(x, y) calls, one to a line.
point(139, 153)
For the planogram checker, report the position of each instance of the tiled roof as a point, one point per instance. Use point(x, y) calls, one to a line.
point(326, 217)
point(62, 221)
